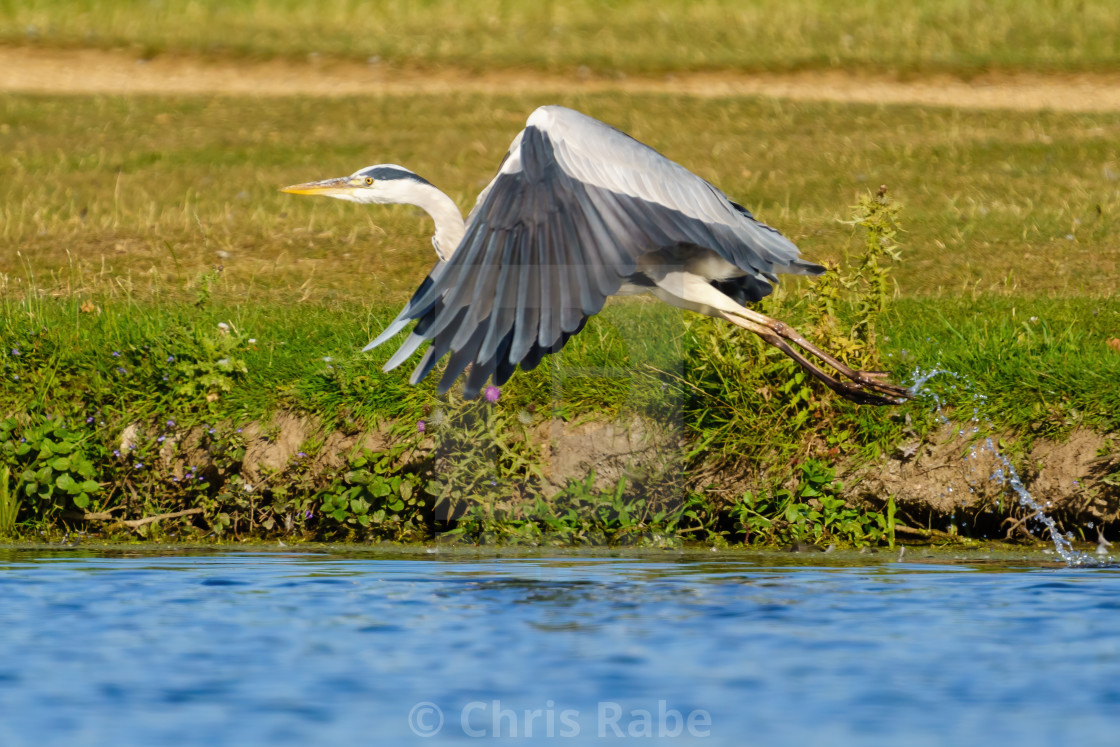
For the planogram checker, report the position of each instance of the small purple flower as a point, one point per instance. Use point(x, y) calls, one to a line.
point(170, 358)
point(419, 426)
point(308, 514)
point(117, 453)
point(116, 354)
point(301, 455)
point(491, 393)
point(15, 352)
point(160, 439)
point(121, 370)
point(170, 423)
point(138, 465)
point(89, 419)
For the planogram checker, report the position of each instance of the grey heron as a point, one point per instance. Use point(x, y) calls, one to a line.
point(577, 212)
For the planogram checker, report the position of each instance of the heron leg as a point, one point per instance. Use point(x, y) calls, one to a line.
point(874, 379)
point(694, 292)
point(854, 390)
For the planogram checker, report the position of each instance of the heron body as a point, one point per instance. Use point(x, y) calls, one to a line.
point(577, 212)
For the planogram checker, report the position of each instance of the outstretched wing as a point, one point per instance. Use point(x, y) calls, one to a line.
point(573, 208)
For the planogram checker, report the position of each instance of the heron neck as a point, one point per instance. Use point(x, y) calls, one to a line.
point(445, 213)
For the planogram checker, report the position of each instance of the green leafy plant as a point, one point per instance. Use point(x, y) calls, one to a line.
point(53, 468)
point(210, 364)
point(811, 511)
point(752, 402)
point(204, 285)
point(375, 494)
point(864, 288)
point(486, 460)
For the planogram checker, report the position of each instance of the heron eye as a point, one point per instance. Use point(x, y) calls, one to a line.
point(369, 181)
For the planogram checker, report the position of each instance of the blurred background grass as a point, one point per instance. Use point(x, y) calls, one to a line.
point(99, 191)
point(607, 36)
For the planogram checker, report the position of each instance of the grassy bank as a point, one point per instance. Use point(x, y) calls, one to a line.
point(962, 37)
point(130, 410)
point(163, 305)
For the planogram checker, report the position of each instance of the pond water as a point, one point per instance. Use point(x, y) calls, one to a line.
point(336, 648)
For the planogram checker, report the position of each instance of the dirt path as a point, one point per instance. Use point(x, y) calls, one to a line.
point(93, 71)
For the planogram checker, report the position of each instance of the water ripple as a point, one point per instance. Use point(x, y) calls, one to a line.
point(298, 649)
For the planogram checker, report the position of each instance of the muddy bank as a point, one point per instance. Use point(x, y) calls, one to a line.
point(947, 481)
point(957, 475)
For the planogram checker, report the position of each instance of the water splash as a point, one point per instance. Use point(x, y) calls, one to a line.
point(1006, 474)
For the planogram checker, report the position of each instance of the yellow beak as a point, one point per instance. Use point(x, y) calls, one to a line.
point(338, 186)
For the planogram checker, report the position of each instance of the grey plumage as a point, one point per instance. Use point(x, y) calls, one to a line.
point(574, 209)
point(577, 212)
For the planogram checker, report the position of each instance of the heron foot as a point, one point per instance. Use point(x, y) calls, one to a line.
point(863, 387)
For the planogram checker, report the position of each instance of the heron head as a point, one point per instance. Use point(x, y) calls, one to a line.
point(383, 183)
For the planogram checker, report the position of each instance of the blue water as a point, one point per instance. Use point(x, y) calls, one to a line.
point(335, 649)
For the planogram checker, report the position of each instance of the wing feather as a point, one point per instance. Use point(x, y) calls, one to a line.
point(504, 304)
point(531, 296)
point(461, 358)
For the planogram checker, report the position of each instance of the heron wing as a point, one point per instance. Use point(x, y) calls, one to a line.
point(603, 157)
point(574, 207)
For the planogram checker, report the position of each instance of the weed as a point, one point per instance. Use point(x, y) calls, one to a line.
point(9, 503)
point(204, 286)
point(209, 364)
point(745, 382)
point(53, 467)
point(862, 289)
point(811, 511)
point(376, 495)
point(486, 459)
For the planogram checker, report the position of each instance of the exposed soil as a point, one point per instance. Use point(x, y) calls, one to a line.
point(107, 72)
point(569, 451)
point(955, 473)
point(947, 478)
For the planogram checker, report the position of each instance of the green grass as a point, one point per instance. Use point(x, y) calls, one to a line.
point(128, 360)
point(1042, 364)
point(104, 194)
point(960, 36)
